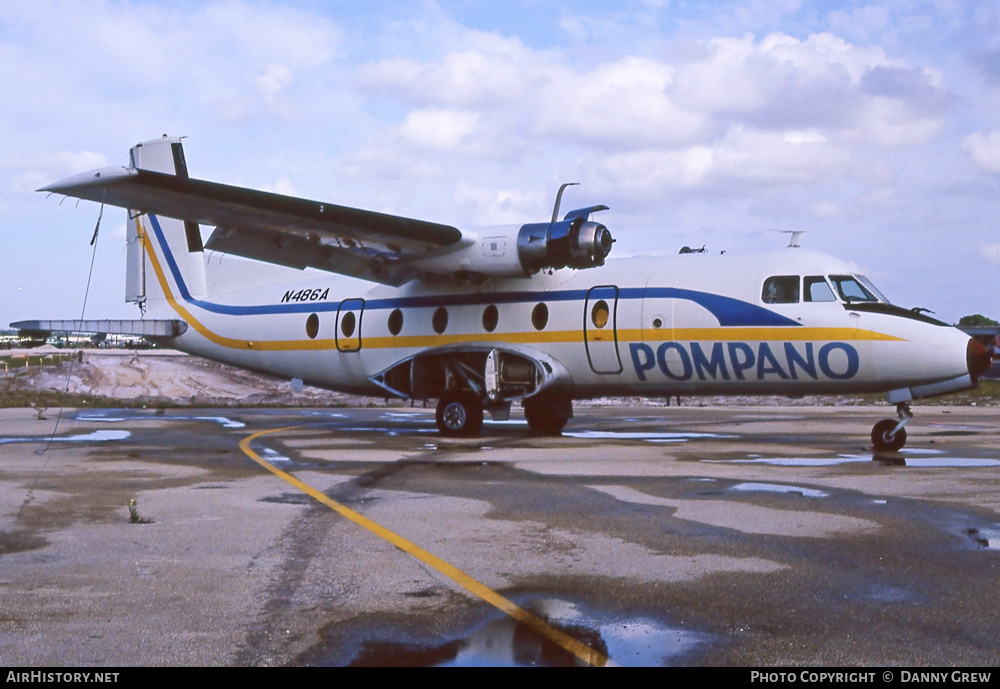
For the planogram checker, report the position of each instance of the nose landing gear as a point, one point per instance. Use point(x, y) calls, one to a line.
point(889, 435)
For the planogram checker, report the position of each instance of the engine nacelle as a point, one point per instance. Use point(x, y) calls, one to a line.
point(575, 243)
point(512, 251)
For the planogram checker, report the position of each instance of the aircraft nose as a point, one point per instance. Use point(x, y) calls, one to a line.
point(978, 358)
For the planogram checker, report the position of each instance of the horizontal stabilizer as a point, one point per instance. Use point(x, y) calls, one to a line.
point(139, 328)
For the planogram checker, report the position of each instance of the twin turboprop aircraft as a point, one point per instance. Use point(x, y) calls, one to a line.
point(532, 313)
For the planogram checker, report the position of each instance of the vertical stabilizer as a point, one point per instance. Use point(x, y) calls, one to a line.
point(175, 244)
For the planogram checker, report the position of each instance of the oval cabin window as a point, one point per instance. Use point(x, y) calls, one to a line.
point(395, 321)
point(599, 314)
point(347, 324)
point(440, 320)
point(490, 318)
point(540, 316)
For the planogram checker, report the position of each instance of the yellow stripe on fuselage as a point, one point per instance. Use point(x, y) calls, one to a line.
point(720, 334)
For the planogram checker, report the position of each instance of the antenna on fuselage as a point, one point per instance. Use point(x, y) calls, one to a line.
point(794, 237)
point(555, 209)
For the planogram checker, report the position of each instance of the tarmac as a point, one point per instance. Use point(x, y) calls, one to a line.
point(643, 536)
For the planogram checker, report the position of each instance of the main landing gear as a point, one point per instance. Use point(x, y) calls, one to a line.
point(547, 414)
point(460, 413)
point(889, 435)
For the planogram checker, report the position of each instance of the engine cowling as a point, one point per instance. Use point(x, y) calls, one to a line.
point(575, 243)
point(519, 250)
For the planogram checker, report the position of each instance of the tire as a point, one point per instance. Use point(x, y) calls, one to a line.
point(880, 436)
point(459, 414)
point(548, 415)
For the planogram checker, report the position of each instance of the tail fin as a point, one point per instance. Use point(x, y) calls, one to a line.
point(162, 253)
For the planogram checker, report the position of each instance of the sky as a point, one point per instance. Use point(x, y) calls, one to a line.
point(874, 127)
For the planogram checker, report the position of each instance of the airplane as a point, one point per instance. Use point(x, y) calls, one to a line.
point(534, 313)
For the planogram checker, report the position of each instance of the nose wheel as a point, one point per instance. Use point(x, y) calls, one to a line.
point(888, 435)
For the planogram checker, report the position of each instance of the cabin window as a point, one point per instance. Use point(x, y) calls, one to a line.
point(850, 289)
point(347, 323)
point(657, 322)
point(599, 314)
point(540, 316)
point(782, 289)
point(312, 326)
point(815, 288)
point(439, 320)
point(490, 318)
point(395, 321)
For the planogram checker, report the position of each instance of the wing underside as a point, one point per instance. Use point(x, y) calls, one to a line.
point(279, 229)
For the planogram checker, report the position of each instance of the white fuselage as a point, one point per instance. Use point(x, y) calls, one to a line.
point(652, 326)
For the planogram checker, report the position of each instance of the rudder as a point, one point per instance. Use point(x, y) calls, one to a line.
point(174, 245)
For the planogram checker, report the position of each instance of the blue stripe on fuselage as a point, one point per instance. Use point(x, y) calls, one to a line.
point(728, 311)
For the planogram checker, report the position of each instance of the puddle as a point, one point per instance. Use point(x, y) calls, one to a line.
point(796, 461)
point(778, 488)
point(101, 417)
point(901, 459)
point(273, 456)
point(929, 462)
point(652, 437)
point(93, 436)
point(505, 642)
point(988, 539)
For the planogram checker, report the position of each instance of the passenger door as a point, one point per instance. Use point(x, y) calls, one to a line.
point(600, 329)
point(348, 332)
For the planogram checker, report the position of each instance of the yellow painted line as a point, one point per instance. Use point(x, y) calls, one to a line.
point(580, 650)
point(720, 334)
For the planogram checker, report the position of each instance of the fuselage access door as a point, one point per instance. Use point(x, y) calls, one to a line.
point(348, 332)
point(600, 329)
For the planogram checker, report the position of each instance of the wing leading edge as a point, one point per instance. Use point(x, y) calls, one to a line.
point(270, 227)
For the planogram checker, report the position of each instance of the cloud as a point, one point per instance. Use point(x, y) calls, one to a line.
point(984, 149)
point(272, 81)
point(991, 252)
point(53, 167)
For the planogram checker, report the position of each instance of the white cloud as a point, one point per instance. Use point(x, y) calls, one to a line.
point(491, 206)
point(991, 252)
point(984, 149)
point(272, 81)
point(53, 167)
point(438, 129)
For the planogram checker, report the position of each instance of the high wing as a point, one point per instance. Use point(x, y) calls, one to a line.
point(279, 229)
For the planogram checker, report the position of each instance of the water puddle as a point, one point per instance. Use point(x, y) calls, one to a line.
point(504, 642)
point(778, 488)
point(652, 437)
point(988, 538)
point(796, 461)
point(273, 456)
point(92, 437)
point(118, 417)
point(934, 462)
point(897, 459)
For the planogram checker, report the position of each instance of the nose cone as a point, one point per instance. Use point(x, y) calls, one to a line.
point(978, 359)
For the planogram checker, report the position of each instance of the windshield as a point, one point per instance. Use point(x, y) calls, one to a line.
point(856, 288)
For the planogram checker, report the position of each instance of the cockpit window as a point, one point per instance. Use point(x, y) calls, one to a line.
point(815, 288)
point(851, 289)
point(871, 288)
point(783, 289)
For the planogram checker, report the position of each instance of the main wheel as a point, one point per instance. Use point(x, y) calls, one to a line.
point(459, 414)
point(881, 439)
point(548, 415)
